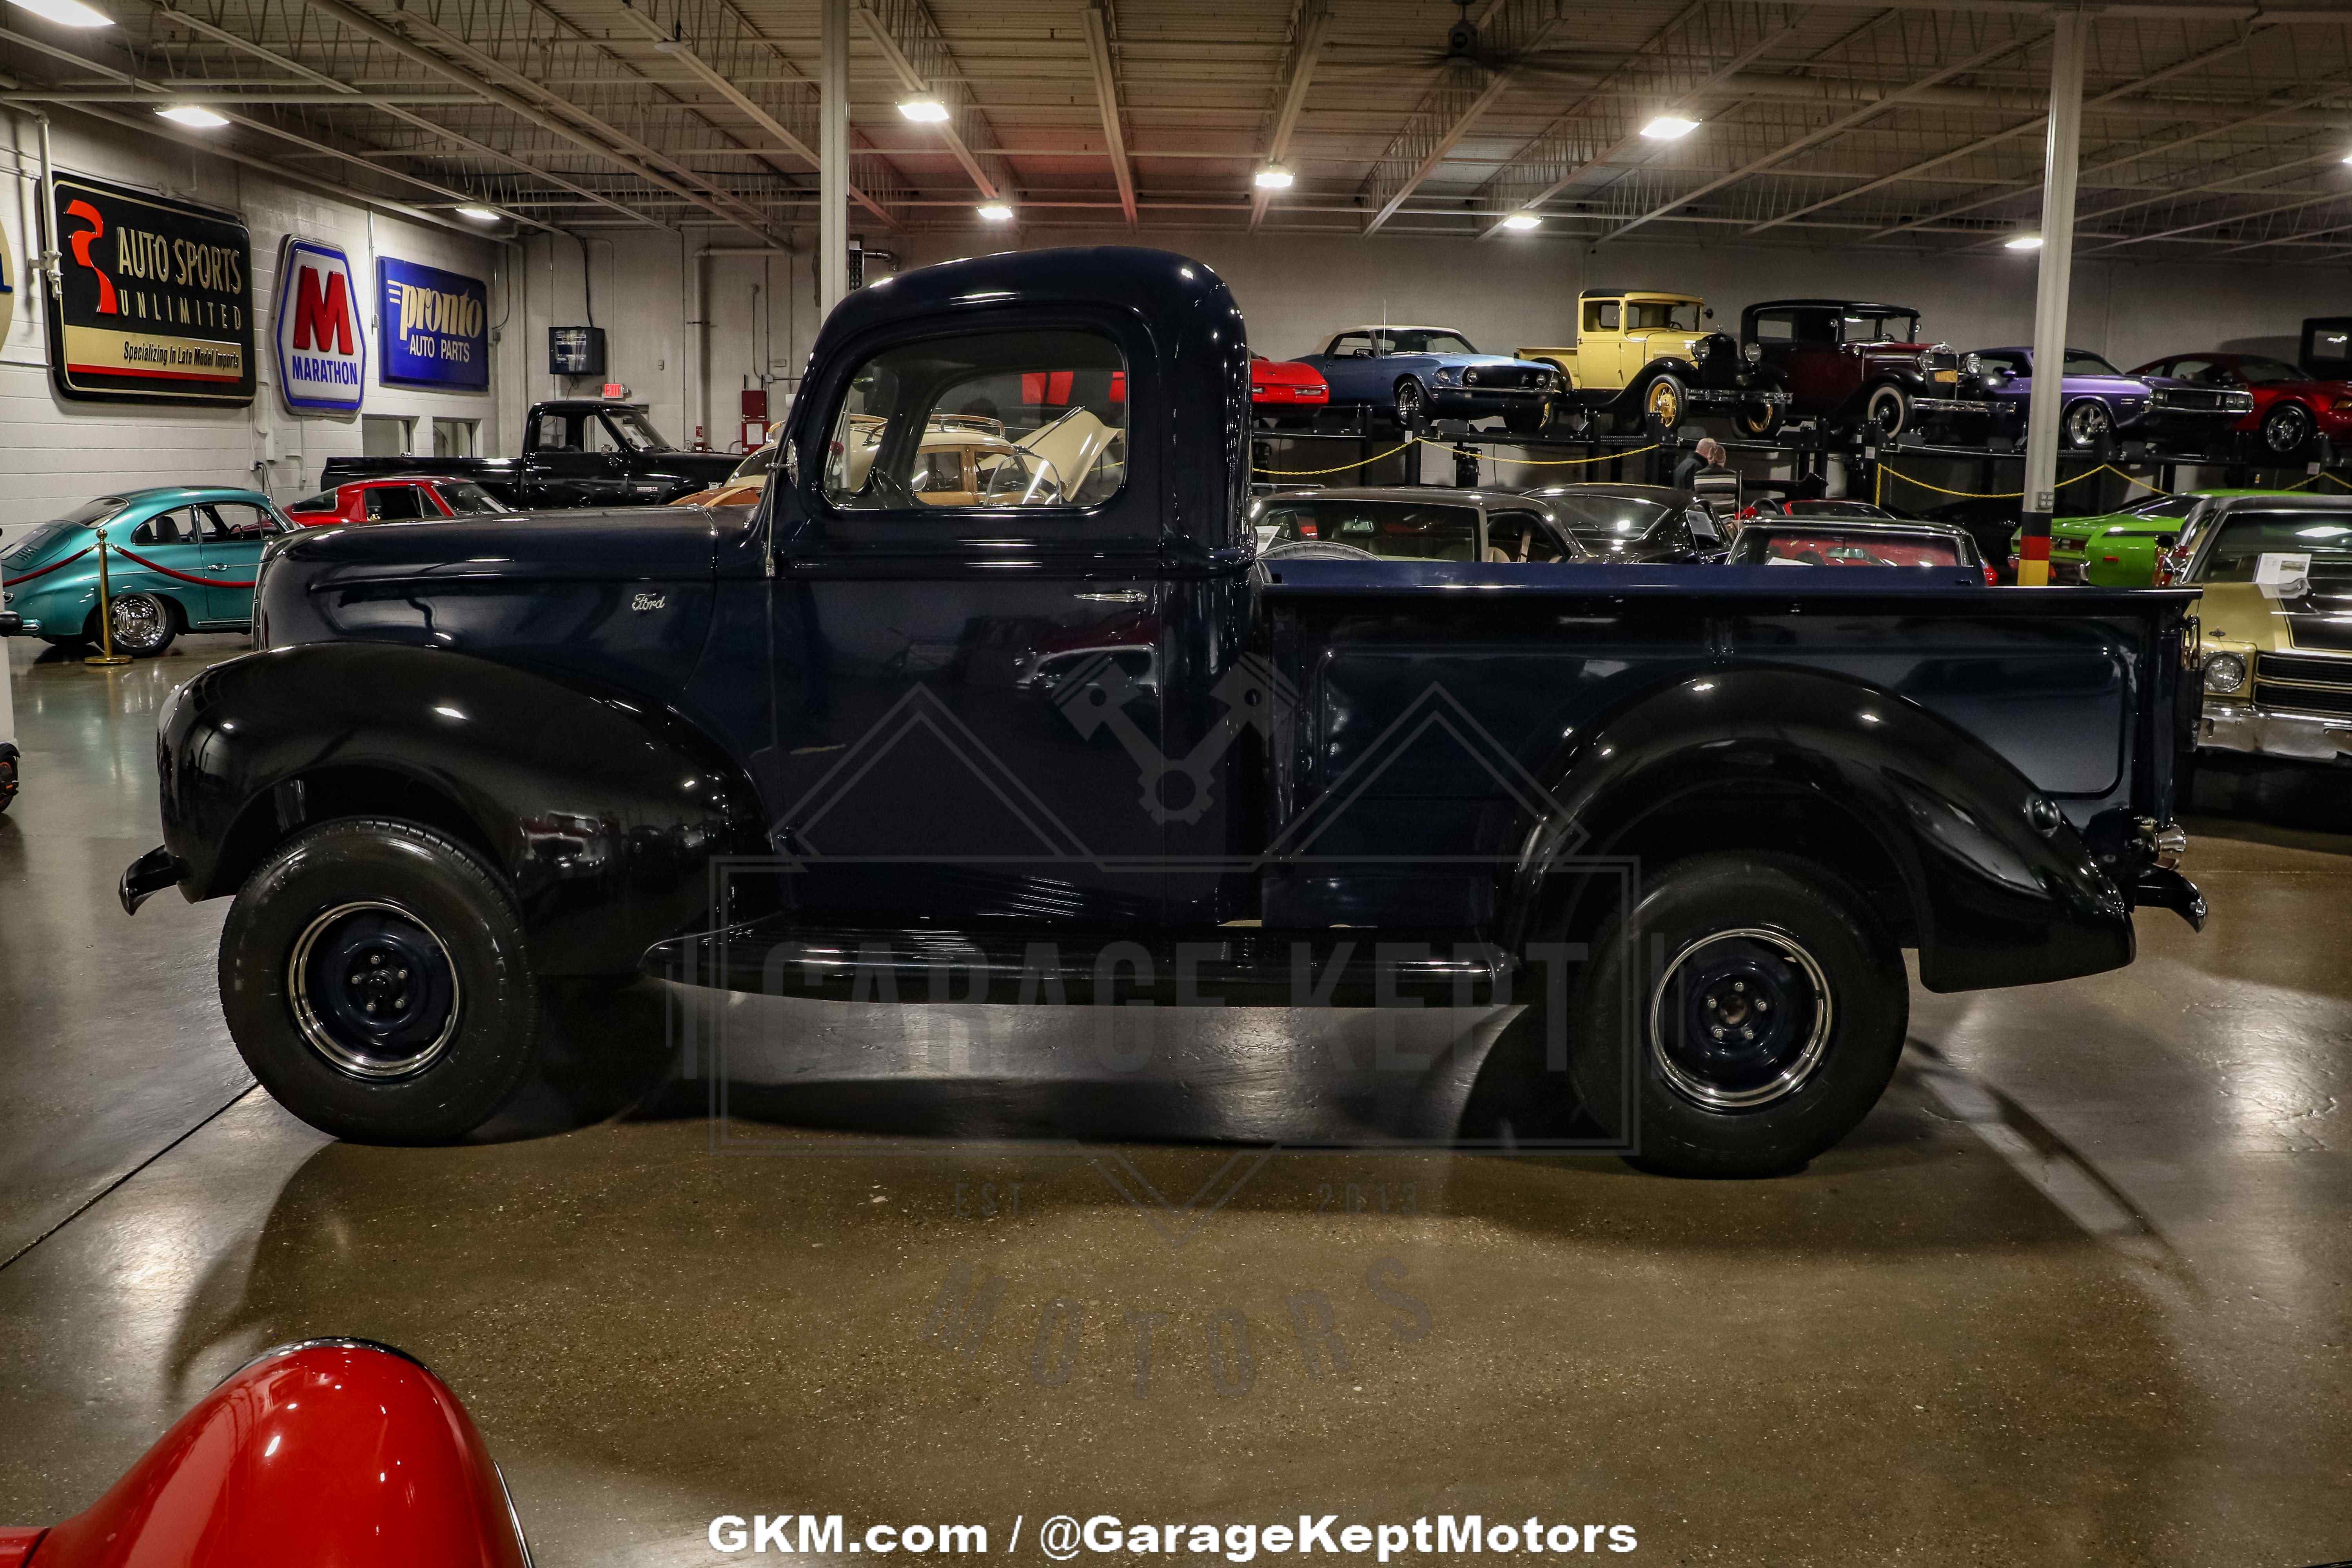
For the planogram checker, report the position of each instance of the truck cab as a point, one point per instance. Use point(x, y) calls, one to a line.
point(1648, 353)
point(576, 451)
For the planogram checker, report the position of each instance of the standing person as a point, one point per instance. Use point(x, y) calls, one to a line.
point(1707, 453)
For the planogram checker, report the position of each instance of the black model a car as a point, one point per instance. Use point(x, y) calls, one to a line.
point(1856, 365)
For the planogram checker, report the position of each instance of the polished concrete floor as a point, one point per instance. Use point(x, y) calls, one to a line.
point(2075, 1293)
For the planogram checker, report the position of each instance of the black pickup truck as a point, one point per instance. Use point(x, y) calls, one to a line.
point(576, 451)
point(1030, 706)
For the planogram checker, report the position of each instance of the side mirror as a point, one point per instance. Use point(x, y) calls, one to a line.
point(1707, 313)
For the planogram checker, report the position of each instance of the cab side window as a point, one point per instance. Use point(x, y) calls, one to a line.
point(394, 503)
point(1600, 315)
point(556, 434)
point(167, 528)
point(1018, 419)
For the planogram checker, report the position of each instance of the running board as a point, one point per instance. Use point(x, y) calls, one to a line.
point(1216, 967)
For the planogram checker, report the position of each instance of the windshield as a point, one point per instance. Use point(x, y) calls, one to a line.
point(2160, 506)
point(1417, 340)
point(1821, 547)
point(2083, 361)
point(637, 430)
point(2246, 537)
point(466, 498)
point(323, 501)
point(2262, 372)
point(756, 465)
point(1408, 529)
point(1608, 517)
point(1662, 315)
point(1889, 326)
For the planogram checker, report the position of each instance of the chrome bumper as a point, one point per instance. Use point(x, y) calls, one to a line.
point(1951, 405)
point(2242, 727)
point(1736, 395)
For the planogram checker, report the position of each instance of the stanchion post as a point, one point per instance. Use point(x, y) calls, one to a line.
point(106, 658)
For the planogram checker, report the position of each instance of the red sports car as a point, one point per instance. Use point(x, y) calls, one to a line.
point(2290, 407)
point(333, 1451)
point(1284, 390)
point(396, 499)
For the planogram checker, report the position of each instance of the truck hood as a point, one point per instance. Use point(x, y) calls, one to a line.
point(621, 543)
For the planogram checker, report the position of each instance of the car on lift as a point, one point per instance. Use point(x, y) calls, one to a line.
point(789, 751)
point(2283, 408)
point(1415, 374)
point(2100, 403)
point(1854, 365)
point(1645, 354)
point(2274, 624)
point(1419, 522)
point(576, 451)
point(1287, 393)
point(405, 498)
point(183, 558)
point(1633, 525)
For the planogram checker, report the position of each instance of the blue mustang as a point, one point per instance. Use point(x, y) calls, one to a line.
point(1418, 374)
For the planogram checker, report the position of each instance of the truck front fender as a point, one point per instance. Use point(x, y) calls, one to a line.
point(1950, 845)
point(601, 810)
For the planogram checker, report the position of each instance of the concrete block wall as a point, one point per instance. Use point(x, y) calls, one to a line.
point(56, 453)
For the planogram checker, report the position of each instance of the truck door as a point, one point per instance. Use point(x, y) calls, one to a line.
point(968, 682)
point(571, 459)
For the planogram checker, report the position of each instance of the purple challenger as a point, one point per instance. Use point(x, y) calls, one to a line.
point(2100, 400)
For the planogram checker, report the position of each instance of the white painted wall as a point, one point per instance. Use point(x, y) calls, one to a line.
point(56, 453)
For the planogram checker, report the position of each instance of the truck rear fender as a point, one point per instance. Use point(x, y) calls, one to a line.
point(600, 809)
point(1944, 841)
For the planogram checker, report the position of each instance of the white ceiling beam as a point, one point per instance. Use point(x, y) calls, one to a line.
point(1307, 40)
point(1465, 89)
point(910, 40)
point(1106, 98)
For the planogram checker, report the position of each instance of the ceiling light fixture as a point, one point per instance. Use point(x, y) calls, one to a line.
point(1274, 179)
point(480, 215)
point(2023, 242)
point(1669, 128)
point(924, 110)
point(1522, 221)
point(194, 118)
point(997, 212)
point(67, 13)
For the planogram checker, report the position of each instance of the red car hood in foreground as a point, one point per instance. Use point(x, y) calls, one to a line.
point(336, 1452)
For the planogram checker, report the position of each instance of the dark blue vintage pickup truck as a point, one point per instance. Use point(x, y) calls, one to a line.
point(996, 676)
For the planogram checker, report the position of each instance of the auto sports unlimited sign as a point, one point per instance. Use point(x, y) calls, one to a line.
point(322, 345)
point(436, 326)
point(157, 302)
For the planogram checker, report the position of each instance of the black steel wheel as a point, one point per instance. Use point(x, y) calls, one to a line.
point(2287, 430)
point(376, 981)
point(1763, 1031)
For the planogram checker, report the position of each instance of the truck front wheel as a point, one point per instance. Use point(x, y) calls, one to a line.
point(1740, 1019)
point(375, 980)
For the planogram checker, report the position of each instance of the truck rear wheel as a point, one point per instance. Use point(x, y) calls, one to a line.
point(375, 980)
point(1763, 1025)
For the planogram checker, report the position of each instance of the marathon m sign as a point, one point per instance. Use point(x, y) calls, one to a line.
point(321, 341)
point(436, 327)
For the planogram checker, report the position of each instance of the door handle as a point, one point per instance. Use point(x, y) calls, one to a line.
point(1116, 597)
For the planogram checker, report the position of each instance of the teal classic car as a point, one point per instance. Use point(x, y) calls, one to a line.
point(183, 559)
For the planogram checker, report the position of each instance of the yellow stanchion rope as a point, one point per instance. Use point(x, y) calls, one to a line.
point(1449, 446)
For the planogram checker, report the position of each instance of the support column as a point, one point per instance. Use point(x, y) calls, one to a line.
point(833, 154)
point(2056, 271)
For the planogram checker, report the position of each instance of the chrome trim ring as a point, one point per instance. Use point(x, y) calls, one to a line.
point(338, 1053)
point(1791, 1077)
point(139, 622)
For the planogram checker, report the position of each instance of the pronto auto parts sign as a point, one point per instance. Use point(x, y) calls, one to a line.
point(322, 341)
point(436, 326)
point(157, 302)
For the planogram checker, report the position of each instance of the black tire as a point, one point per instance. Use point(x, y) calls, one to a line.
point(1666, 401)
point(8, 775)
point(2085, 424)
point(146, 624)
point(1760, 421)
point(2287, 430)
point(1716, 1107)
point(1412, 407)
point(321, 927)
point(1887, 413)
